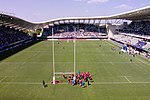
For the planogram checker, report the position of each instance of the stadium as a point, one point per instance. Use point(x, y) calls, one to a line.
point(87, 58)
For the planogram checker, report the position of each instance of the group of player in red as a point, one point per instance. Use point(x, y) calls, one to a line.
point(80, 78)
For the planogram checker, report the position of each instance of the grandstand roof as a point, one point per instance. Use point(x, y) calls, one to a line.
point(12, 21)
point(138, 14)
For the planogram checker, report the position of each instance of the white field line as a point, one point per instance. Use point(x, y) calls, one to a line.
point(142, 61)
point(37, 51)
point(3, 78)
point(71, 52)
point(65, 83)
point(120, 83)
point(124, 76)
point(63, 62)
point(23, 83)
point(1, 63)
point(63, 73)
point(146, 70)
point(127, 79)
point(58, 76)
point(8, 76)
point(111, 63)
point(103, 54)
point(23, 63)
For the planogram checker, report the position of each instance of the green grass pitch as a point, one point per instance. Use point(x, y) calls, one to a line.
point(115, 78)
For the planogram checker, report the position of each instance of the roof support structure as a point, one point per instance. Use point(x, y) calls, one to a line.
point(139, 14)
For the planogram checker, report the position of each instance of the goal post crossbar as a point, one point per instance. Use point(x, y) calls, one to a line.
point(61, 73)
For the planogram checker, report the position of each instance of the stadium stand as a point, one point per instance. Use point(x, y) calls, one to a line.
point(140, 44)
point(136, 42)
point(11, 38)
point(137, 27)
point(76, 30)
point(147, 46)
point(78, 35)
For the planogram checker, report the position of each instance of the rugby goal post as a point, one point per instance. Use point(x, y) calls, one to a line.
point(53, 53)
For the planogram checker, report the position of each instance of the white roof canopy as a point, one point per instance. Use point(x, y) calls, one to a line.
point(139, 14)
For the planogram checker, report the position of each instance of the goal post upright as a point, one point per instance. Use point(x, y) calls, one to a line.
point(53, 51)
point(75, 54)
point(74, 59)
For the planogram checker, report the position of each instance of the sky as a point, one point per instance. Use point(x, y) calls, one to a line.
point(43, 10)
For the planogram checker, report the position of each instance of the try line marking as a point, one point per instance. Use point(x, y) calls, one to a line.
point(65, 83)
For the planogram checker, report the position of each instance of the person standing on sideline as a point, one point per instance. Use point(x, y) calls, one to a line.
point(44, 85)
point(130, 60)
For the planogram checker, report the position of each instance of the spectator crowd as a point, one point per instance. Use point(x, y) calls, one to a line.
point(9, 36)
